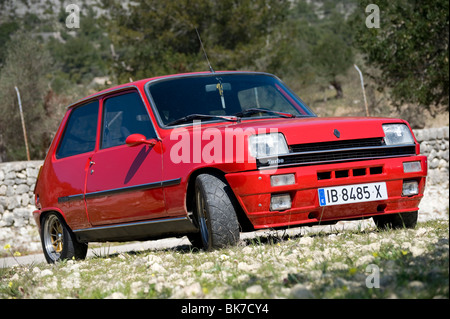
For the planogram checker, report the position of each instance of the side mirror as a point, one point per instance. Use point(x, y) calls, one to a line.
point(138, 139)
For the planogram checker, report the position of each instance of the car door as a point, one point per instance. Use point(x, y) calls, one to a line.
point(71, 160)
point(124, 184)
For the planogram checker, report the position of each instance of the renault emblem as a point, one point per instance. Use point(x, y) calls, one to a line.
point(337, 133)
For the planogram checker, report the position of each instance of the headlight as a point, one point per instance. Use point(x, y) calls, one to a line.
point(267, 145)
point(396, 134)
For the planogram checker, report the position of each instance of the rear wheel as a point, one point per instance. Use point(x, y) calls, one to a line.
point(58, 241)
point(215, 214)
point(396, 221)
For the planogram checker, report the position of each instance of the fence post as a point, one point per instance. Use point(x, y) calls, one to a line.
point(23, 123)
point(363, 89)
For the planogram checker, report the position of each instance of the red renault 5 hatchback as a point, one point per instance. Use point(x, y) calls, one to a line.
point(211, 154)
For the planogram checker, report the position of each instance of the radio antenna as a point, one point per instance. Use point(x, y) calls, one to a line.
point(204, 51)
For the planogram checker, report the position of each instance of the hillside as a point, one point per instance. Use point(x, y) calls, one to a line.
point(311, 45)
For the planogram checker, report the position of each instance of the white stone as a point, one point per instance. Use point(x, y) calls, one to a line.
point(22, 188)
point(116, 295)
point(300, 291)
point(8, 218)
point(3, 189)
point(158, 268)
point(255, 290)
point(194, 290)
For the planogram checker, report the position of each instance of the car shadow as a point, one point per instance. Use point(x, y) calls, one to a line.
point(140, 158)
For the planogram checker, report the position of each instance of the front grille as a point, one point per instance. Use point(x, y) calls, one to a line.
point(367, 142)
point(340, 151)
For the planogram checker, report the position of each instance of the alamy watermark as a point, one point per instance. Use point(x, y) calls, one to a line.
point(211, 145)
point(373, 19)
point(73, 19)
point(373, 279)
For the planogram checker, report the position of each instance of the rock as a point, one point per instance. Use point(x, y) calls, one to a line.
point(10, 175)
point(246, 267)
point(12, 202)
point(116, 295)
point(445, 156)
point(416, 285)
point(418, 135)
point(194, 290)
point(445, 132)
point(32, 172)
point(158, 268)
point(10, 191)
point(434, 163)
point(416, 251)
point(21, 175)
point(432, 133)
point(22, 213)
point(22, 188)
point(46, 272)
point(24, 200)
point(442, 163)
point(300, 291)
point(8, 218)
point(255, 290)
point(425, 135)
point(3, 189)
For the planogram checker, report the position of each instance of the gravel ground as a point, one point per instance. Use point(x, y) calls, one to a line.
point(25, 240)
point(361, 263)
point(313, 262)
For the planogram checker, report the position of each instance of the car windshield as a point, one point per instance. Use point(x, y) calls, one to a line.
point(217, 97)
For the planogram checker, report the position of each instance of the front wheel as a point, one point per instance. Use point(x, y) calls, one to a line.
point(396, 221)
point(58, 241)
point(215, 214)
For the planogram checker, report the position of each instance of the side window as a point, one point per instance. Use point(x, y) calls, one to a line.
point(80, 132)
point(124, 115)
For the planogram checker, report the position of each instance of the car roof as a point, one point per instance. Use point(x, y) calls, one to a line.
point(141, 83)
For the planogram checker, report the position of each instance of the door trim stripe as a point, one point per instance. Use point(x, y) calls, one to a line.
point(114, 191)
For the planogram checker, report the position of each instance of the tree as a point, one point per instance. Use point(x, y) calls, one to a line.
point(80, 55)
point(410, 49)
point(26, 66)
point(315, 45)
point(332, 57)
point(158, 37)
point(6, 29)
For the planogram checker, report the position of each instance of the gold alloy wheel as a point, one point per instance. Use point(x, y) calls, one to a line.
point(53, 237)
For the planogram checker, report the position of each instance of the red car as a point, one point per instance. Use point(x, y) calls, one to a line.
point(211, 154)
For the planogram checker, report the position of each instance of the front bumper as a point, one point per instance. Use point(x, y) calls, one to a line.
point(254, 191)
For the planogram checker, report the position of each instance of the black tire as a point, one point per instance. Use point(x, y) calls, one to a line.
point(396, 221)
point(58, 241)
point(215, 214)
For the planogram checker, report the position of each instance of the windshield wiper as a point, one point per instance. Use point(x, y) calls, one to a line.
point(192, 117)
point(257, 110)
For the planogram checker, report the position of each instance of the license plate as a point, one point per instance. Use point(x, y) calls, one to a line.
point(349, 194)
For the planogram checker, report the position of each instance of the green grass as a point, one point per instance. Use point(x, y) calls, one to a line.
point(328, 264)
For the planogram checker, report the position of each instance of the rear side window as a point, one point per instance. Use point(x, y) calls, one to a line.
point(80, 132)
point(124, 115)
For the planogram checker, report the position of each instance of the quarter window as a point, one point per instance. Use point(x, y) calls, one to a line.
point(80, 132)
point(124, 115)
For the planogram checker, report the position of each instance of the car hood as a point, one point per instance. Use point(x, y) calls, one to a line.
point(316, 129)
point(302, 130)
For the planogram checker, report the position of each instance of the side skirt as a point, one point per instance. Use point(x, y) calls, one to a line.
point(146, 230)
